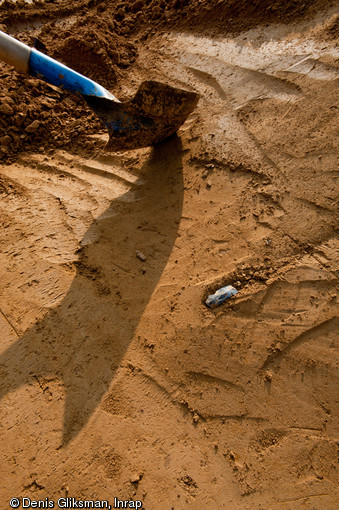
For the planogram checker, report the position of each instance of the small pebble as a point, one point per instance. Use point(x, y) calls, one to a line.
point(6, 109)
point(31, 128)
point(5, 140)
point(268, 376)
point(135, 478)
point(195, 418)
point(141, 256)
point(137, 6)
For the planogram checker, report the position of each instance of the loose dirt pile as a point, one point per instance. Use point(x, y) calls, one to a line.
point(116, 379)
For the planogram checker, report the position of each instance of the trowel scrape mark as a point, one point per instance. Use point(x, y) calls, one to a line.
point(314, 69)
point(250, 50)
point(316, 331)
point(209, 80)
point(211, 379)
point(241, 84)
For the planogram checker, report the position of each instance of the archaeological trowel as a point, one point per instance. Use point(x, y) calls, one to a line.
point(154, 113)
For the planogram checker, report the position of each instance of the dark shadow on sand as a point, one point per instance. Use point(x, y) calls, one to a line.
point(82, 341)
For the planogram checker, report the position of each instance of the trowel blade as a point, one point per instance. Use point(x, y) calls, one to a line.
point(156, 111)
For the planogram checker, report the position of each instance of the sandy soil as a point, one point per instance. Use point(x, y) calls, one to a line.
point(116, 379)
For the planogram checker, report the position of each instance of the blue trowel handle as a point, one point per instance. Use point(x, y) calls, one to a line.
point(37, 64)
